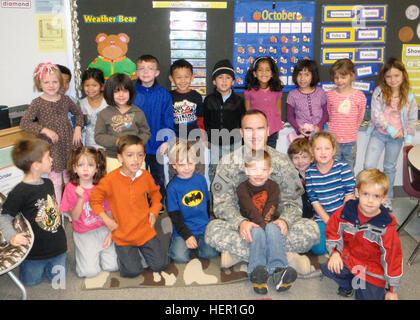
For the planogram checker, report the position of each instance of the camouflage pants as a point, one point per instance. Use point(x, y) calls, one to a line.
point(300, 238)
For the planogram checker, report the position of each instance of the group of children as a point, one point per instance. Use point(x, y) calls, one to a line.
point(114, 202)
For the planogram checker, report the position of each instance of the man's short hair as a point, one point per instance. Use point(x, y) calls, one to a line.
point(27, 151)
point(181, 151)
point(129, 140)
point(254, 112)
point(373, 176)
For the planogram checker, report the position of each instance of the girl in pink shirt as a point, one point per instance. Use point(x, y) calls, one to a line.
point(346, 109)
point(263, 92)
point(95, 250)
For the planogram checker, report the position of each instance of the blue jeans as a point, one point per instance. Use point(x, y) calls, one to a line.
point(363, 291)
point(267, 249)
point(377, 143)
point(347, 153)
point(320, 248)
point(33, 272)
point(180, 253)
point(158, 173)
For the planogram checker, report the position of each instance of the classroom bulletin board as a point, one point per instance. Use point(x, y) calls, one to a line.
point(367, 32)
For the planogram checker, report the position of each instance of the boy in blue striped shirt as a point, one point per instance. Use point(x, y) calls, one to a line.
point(329, 183)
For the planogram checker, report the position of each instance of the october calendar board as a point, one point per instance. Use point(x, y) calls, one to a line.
point(286, 33)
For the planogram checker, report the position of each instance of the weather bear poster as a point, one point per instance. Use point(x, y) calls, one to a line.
point(282, 30)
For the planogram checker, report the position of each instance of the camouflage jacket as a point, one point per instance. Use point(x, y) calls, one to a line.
point(230, 173)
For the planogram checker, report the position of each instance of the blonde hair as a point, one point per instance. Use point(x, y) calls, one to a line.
point(325, 135)
point(257, 155)
point(181, 151)
point(372, 176)
point(42, 70)
point(386, 90)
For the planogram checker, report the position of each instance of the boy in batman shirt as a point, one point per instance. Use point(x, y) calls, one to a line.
point(187, 202)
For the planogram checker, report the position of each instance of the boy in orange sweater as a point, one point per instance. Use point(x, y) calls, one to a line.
point(127, 190)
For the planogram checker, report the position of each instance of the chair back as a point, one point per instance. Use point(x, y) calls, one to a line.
point(411, 175)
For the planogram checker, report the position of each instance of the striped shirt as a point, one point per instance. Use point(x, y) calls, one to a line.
point(345, 114)
point(330, 189)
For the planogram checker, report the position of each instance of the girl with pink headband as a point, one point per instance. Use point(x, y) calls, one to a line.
point(53, 125)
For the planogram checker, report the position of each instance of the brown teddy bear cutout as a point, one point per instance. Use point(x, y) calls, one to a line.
point(112, 57)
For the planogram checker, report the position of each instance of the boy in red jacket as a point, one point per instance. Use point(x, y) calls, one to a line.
point(364, 246)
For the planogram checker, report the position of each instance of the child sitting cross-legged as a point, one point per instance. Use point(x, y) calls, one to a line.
point(258, 201)
point(365, 249)
point(188, 205)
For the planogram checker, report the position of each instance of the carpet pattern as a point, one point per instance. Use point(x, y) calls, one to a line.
point(197, 272)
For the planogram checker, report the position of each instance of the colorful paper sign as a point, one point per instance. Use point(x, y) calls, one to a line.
point(411, 58)
point(335, 35)
point(354, 13)
point(365, 71)
point(364, 86)
point(286, 33)
point(357, 55)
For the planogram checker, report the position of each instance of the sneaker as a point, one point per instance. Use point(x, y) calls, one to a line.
point(259, 277)
point(345, 293)
point(388, 204)
point(283, 278)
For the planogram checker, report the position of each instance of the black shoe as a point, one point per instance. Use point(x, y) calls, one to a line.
point(259, 277)
point(345, 293)
point(283, 278)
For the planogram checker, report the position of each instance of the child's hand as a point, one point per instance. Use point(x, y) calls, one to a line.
point(164, 147)
point(282, 225)
point(399, 135)
point(391, 296)
point(269, 214)
point(50, 134)
point(303, 132)
point(316, 129)
point(152, 219)
point(191, 243)
point(108, 241)
point(77, 136)
point(335, 264)
point(80, 191)
point(111, 224)
point(19, 240)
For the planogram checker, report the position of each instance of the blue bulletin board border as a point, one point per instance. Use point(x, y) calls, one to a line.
point(285, 33)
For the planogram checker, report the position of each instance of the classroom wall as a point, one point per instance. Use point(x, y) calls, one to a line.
point(19, 54)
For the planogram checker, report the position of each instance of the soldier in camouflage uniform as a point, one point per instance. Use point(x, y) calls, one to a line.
point(230, 232)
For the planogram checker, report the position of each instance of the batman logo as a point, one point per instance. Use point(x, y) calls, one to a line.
point(193, 198)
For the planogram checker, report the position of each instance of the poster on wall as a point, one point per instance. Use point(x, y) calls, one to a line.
point(411, 59)
point(285, 32)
